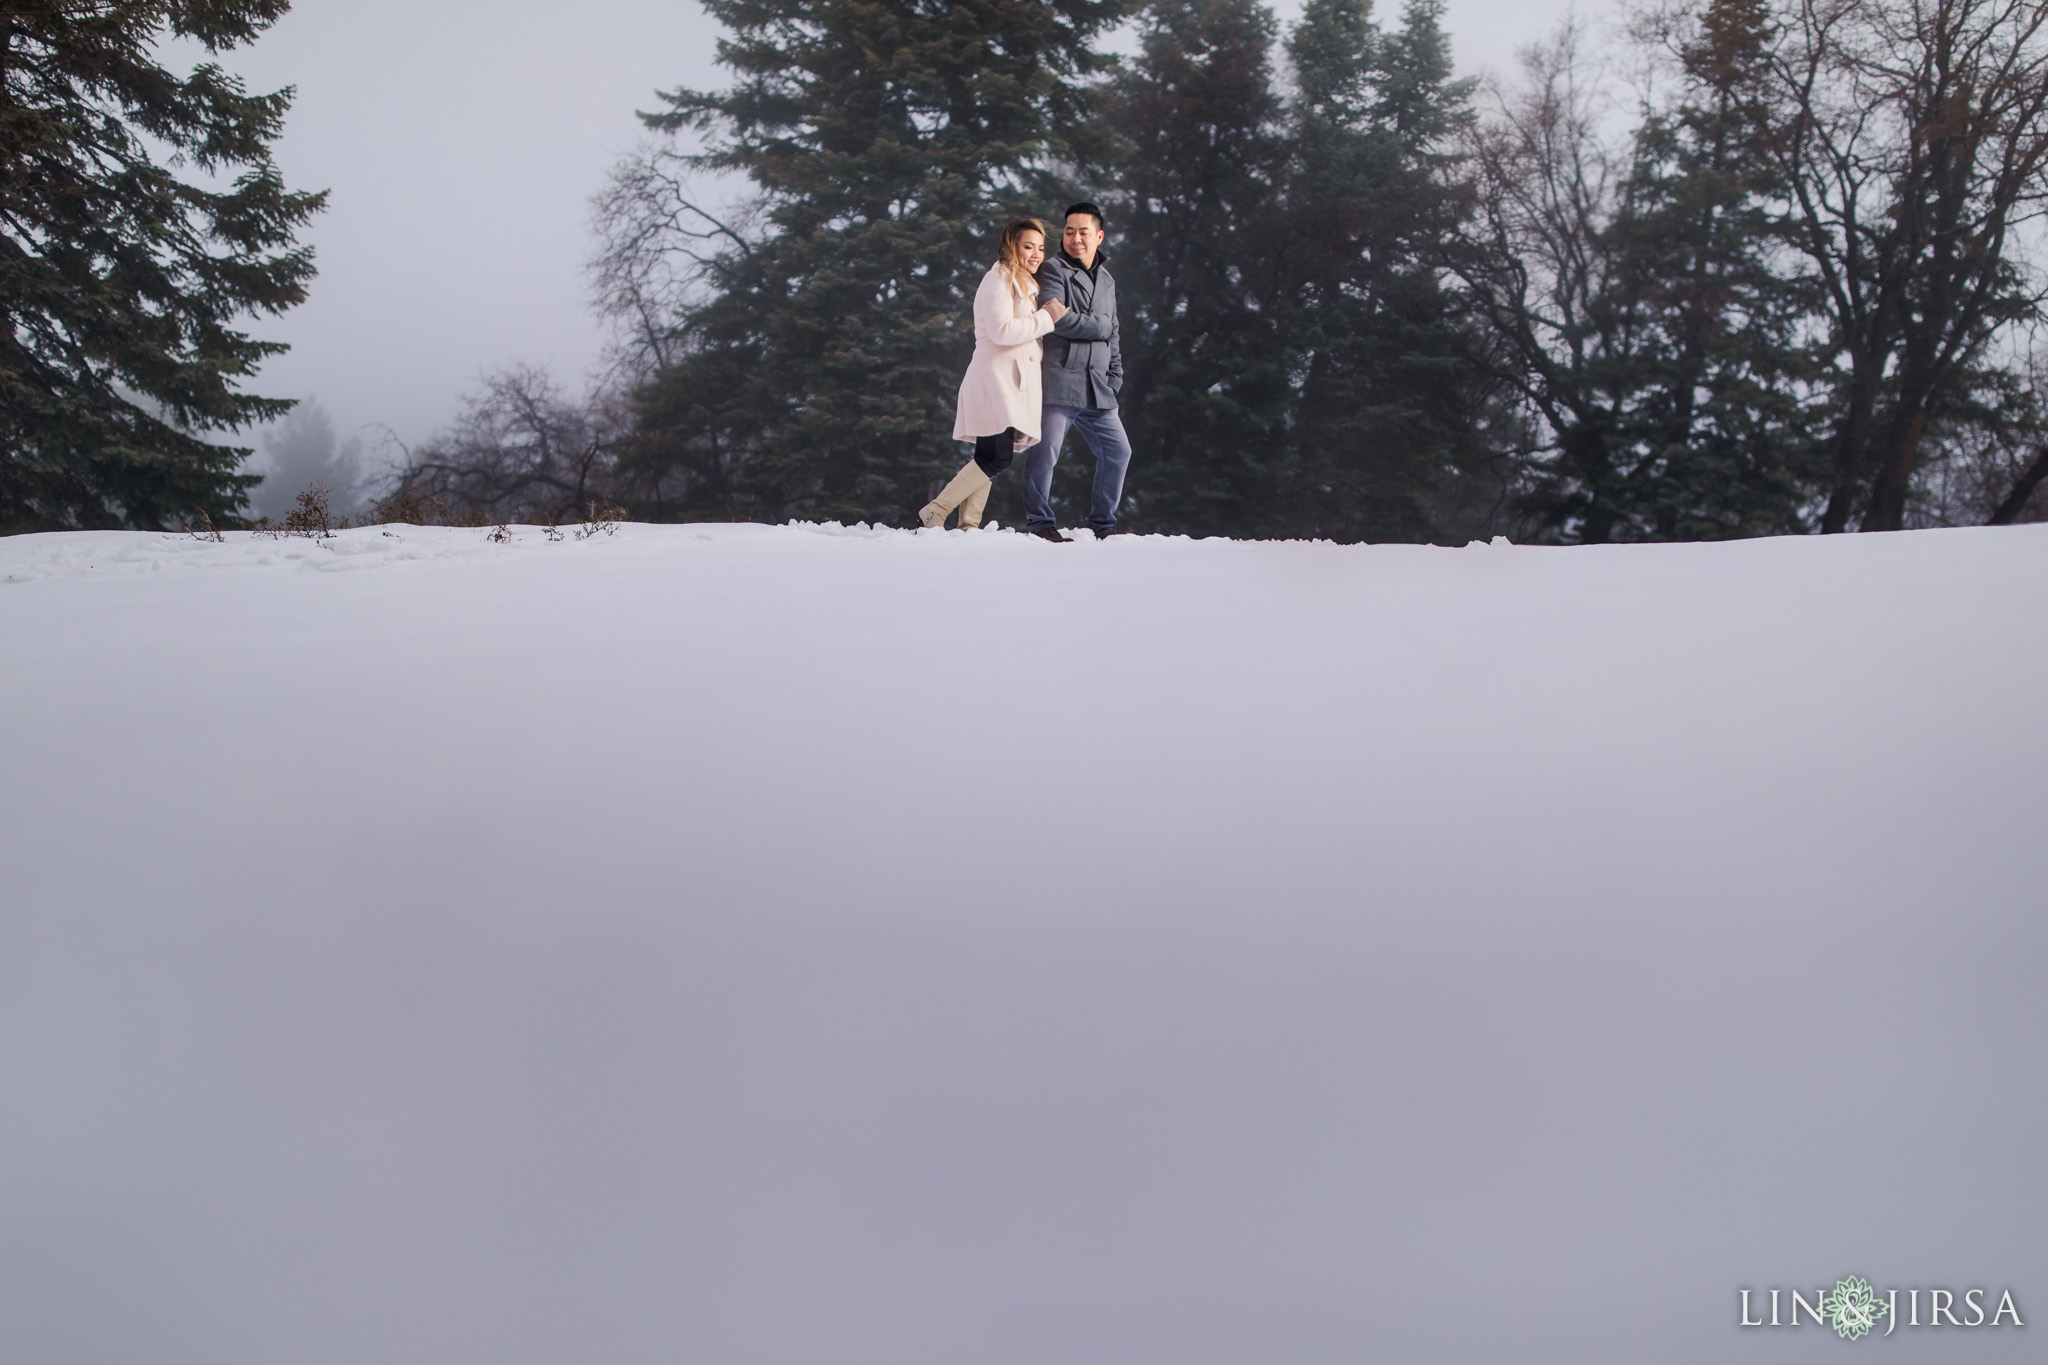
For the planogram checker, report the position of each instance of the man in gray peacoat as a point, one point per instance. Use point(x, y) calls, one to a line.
point(1083, 371)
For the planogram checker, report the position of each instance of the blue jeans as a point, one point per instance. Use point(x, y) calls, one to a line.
point(1103, 430)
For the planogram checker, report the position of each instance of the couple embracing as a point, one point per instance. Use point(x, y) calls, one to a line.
point(1021, 397)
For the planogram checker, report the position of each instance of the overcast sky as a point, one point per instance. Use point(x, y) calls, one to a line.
point(462, 140)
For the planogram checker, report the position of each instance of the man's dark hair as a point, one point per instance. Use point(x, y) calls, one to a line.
point(1088, 209)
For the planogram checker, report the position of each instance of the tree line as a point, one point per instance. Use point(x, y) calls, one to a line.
point(1748, 267)
point(1740, 267)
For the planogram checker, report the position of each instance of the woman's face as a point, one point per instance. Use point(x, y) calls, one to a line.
point(1031, 250)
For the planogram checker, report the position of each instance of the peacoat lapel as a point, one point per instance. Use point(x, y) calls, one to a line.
point(1080, 283)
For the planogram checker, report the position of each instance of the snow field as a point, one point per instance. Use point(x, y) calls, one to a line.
point(777, 944)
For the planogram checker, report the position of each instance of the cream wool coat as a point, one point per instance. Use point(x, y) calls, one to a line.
point(1002, 388)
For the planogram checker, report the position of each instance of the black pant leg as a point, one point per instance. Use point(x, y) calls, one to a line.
point(994, 453)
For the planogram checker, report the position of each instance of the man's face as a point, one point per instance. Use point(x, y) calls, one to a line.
point(1081, 238)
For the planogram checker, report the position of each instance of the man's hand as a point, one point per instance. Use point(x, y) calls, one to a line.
point(1054, 309)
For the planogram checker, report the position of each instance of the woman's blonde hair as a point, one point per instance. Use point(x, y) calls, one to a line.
point(1011, 256)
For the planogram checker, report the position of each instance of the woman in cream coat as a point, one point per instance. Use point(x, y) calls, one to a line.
point(1000, 397)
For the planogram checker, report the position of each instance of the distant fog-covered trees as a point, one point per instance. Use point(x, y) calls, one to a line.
point(1743, 267)
point(305, 454)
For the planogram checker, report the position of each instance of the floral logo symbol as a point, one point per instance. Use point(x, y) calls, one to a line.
point(1853, 1308)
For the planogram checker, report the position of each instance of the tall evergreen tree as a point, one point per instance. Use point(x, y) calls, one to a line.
point(1713, 436)
point(1297, 367)
point(1191, 241)
point(120, 283)
point(1387, 437)
point(1639, 306)
point(887, 139)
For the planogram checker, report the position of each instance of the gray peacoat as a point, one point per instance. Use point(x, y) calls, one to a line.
point(1084, 358)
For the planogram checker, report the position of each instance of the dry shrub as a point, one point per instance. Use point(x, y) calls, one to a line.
point(600, 519)
point(312, 518)
point(408, 506)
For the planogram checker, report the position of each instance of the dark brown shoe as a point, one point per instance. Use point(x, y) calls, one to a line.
point(1052, 533)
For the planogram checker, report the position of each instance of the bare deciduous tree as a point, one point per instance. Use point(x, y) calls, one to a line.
point(1912, 139)
point(520, 450)
point(1534, 273)
point(656, 241)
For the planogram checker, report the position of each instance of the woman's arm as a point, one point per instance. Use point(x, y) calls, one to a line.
point(995, 317)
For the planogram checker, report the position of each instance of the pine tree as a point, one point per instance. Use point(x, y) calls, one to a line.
point(887, 141)
point(1712, 435)
point(1386, 441)
point(1296, 367)
point(306, 454)
point(120, 282)
point(1191, 240)
point(1639, 304)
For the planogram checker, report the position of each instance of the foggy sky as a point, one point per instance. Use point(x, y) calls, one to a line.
point(462, 140)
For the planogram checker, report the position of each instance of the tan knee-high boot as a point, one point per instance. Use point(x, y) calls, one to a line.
point(969, 481)
point(971, 510)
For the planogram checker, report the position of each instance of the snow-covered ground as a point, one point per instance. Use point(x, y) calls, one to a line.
point(802, 946)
